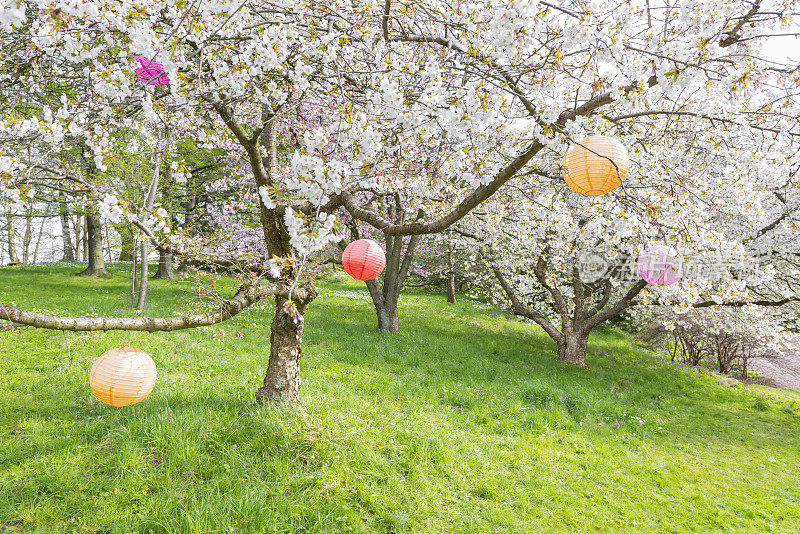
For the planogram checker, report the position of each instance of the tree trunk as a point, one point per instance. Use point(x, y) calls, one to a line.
point(66, 241)
point(572, 349)
point(126, 242)
point(94, 240)
point(141, 298)
point(134, 281)
point(188, 224)
point(85, 239)
point(77, 226)
point(12, 249)
point(39, 239)
point(385, 306)
point(388, 318)
point(385, 298)
point(165, 258)
point(164, 267)
point(282, 382)
point(147, 209)
point(26, 239)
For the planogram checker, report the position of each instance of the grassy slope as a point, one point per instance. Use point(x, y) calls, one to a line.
point(461, 423)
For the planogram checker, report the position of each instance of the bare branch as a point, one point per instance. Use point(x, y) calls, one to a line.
point(518, 308)
point(621, 304)
point(243, 298)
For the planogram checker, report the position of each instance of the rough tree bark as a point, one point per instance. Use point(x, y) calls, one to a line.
point(164, 271)
point(572, 348)
point(282, 381)
point(94, 240)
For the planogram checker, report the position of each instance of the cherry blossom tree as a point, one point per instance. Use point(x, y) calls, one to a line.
point(431, 109)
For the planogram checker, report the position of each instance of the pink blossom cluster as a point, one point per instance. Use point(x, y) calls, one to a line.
point(151, 71)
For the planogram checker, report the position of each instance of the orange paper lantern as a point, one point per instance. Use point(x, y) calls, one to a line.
point(596, 166)
point(363, 259)
point(123, 376)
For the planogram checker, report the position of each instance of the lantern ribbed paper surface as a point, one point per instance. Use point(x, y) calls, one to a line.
point(123, 376)
point(597, 167)
point(363, 259)
point(660, 265)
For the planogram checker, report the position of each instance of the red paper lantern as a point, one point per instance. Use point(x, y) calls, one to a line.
point(364, 259)
point(123, 376)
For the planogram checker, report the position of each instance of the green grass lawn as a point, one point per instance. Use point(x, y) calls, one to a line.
point(463, 422)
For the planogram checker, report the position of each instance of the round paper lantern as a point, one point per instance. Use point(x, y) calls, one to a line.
point(363, 259)
point(597, 166)
point(151, 71)
point(660, 265)
point(123, 376)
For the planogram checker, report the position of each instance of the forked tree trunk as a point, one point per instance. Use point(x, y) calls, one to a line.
point(572, 348)
point(385, 303)
point(572, 339)
point(282, 382)
point(94, 240)
point(386, 295)
point(385, 308)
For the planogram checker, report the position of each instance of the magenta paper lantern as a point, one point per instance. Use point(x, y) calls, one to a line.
point(660, 265)
point(151, 71)
point(363, 259)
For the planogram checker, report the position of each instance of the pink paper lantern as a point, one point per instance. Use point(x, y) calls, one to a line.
point(659, 265)
point(363, 259)
point(151, 71)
